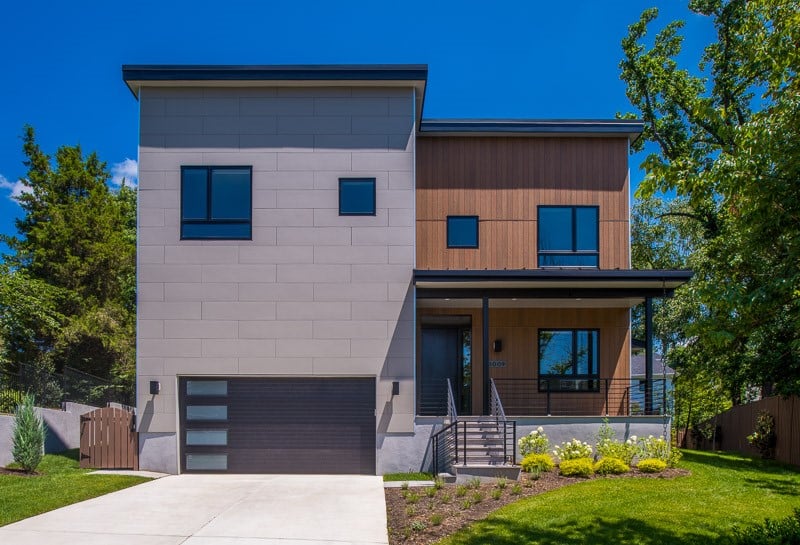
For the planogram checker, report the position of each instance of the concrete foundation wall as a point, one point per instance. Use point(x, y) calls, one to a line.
point(566, 428)
point(63, 430)
point(158, 452)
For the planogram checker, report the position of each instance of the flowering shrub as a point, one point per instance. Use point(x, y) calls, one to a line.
point(658, 448)
point(577, 467)
point(652, 465)
point(537, 462)
point(611, 466)
point(627, 451)
point(536, 442)
point(571, 450)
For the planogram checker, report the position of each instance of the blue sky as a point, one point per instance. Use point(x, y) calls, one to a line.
point(61, 64)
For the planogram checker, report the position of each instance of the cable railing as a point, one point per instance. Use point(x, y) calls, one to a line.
point(582, 396)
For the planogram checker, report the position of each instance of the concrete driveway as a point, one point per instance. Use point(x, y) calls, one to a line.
point(218, 510)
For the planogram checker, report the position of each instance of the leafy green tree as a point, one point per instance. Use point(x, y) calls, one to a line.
point(727, 143)
point(77, 238)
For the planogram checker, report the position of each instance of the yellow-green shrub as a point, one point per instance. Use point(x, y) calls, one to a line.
point(578, 467)
point(611, 465)
point(537, 462)
point(652, 465)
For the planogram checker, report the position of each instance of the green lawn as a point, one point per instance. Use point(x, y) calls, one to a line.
point(413, 476)
point(722, 491)
point(62, 482)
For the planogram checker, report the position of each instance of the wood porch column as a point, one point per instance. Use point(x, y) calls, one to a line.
point(648, 356)
point(485, 323)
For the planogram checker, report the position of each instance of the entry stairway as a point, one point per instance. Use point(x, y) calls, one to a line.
point(470, 446)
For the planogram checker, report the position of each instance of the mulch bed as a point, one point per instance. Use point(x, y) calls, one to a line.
point(18, 472)
point(411, 523)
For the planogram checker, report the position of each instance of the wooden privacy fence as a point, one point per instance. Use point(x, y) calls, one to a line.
point(109, 439)
point(734, 425)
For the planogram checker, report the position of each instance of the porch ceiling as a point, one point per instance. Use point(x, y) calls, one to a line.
point(531, 303)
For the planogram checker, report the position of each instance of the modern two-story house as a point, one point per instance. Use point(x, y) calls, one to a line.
point(328, 282)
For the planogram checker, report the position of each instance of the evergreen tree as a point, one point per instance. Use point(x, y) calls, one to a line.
point(77, 238)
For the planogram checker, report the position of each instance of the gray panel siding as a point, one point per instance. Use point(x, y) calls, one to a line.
point(312, 293)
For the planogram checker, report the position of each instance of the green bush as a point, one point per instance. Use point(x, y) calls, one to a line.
point(29, 432)
point(537, 462)
point(536, 442)
point(578, 467)
point(9, 399)
point(763, 437)
point(772, 532)
point(652, 465)
point(611, 466)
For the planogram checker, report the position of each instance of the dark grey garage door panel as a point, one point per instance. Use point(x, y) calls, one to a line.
point(290, 425)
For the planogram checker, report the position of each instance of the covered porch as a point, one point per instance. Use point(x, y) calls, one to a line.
point(544, 342)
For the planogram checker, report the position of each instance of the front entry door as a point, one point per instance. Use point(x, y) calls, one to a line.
point(441, 360)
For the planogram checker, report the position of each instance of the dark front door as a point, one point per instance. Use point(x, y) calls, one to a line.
point(441, 360)
point(277, 425)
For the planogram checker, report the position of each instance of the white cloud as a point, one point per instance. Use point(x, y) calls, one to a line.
point(127, 170)
point(17, 188)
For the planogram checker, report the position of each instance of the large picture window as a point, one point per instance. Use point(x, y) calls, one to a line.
point(568, 236)
point(216, 202)
point(568, 360)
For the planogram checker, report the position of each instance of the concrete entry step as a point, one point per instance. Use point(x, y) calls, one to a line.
point(486, 472)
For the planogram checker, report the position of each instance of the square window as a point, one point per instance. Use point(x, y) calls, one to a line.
point(216, 202)
point(462, 231)
point(356, 196)
point(568, 236)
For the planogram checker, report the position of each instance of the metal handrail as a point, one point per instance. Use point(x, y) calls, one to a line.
point(444, 438)
point(452, 413)
point(496, 405)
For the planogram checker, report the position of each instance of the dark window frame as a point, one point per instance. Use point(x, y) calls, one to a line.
point(374, 197)
point(592, 380)
point(209, 221)
point(574, 251)
point(477, 232)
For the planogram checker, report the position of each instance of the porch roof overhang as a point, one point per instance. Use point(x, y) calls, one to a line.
point(548, 283)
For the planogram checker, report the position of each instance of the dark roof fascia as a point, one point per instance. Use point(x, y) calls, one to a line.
point(447, 127)
point(297, 72)
point(551, 275)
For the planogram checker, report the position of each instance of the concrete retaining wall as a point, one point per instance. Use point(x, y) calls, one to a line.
point(63, 430)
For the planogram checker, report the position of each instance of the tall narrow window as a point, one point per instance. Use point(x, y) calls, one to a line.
point(568, 359)
point(462, 231)
point(216, 202)
point(356, 196)
point(568, 236)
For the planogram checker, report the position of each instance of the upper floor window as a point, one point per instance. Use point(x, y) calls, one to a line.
point(568, 236)
point(462, 231)
point(568, 359)
point(356, 196)
point(216, 202)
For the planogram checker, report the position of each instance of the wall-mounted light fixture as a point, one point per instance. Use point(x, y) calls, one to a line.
point(395, 388)
point(155, 387)
point(497, 345)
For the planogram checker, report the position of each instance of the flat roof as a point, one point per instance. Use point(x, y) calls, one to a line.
point(550, 283)
point(139, 75)
point(630, 128)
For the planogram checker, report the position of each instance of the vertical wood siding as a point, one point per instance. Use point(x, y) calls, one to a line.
point(503, 180)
